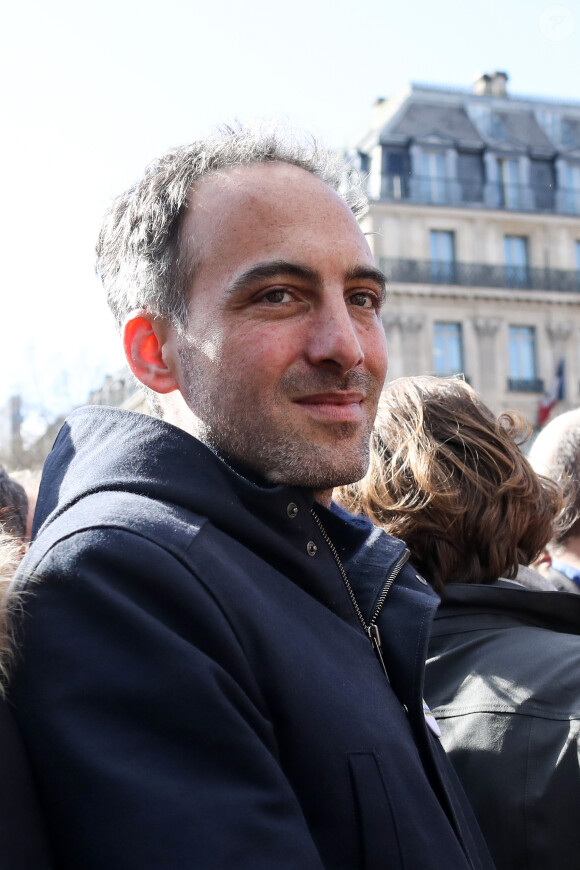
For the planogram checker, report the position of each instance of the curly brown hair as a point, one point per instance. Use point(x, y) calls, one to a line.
point(448, 478)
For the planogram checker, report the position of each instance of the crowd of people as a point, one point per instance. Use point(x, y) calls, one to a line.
point(503, 666)
point(293, 619)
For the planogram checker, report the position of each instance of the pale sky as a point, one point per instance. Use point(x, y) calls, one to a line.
point(90, 94)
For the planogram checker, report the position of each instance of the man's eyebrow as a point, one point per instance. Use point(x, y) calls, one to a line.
point(368, 273)
point(277, 268)
point(273, 269)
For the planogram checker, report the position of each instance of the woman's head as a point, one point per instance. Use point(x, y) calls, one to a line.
point(448, 478)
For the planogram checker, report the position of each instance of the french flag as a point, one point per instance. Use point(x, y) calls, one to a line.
point(556, 394)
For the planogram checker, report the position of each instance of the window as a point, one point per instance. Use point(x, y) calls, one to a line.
point(396, 169)
point(509, 186)
point(481, 117)
point(551, 125)
point(542, 183)
point(470, 176)
point(573, 189)
point(433, 172)
point(522, 359)
point(442, 246)
point(571, 132)
point(363, 161)
point(447, 349)
point(516, 261)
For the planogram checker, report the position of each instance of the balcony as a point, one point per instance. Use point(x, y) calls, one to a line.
point(475, 193)
point(525, 385)
point(479, 275)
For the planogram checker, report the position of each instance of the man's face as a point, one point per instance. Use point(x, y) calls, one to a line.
point(284, 357)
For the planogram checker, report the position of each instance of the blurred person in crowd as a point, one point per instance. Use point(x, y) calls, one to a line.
point(29, 480)
point(503, 673)
point(202, 681)
point(13, 506)
point(556, 454)
point(22, 835)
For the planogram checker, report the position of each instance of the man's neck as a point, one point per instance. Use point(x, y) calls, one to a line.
point(323, 497)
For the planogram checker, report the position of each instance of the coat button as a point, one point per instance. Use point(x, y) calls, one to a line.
point(311, 548)
point(421, 579)
point(292, 510)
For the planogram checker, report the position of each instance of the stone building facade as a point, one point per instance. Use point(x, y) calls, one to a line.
point(475, 219)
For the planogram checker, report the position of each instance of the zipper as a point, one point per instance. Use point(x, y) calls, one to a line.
point(371, 629)
point(372, 632)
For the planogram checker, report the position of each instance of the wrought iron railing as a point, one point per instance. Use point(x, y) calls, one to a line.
point(437, 190)
point(479, 275)
point(525, 385)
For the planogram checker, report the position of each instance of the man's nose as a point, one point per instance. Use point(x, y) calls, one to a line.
point(334, 339)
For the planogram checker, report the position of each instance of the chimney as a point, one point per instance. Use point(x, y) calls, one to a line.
point(491, 84)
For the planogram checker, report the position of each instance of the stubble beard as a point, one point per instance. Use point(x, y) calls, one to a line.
point(228, 421)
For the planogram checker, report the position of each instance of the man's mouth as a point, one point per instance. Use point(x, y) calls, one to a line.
point(335, 406)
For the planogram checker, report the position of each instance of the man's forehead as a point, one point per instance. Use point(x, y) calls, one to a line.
point(270, 211)
point(259, 180)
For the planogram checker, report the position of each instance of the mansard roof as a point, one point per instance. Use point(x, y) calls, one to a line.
point(459, 118)
point(421, 122)
point(521, 128)
point(571, 132)
point(508, 145)
point(573, 153)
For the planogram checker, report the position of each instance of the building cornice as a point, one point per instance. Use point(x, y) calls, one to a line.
point(461, 212)
point(511, 295)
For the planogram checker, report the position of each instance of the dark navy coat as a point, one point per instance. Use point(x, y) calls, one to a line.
point(22, 836)
point(196, 688)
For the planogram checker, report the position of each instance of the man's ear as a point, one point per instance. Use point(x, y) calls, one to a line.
point(543, 563)
point(147, 342)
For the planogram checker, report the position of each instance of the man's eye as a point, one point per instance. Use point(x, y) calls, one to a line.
point(364, 300)
point(277, 296)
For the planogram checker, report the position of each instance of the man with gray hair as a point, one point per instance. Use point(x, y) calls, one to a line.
point(556, 454)
point(219, 668)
